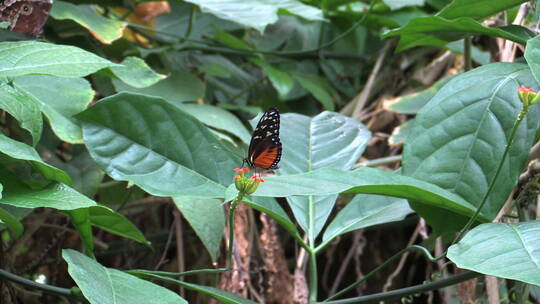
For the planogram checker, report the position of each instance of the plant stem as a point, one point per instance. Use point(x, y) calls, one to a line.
point(471, 221)
point(386, 263)
point(312, 277)
point(8, 276)
point(398, 293)
point(190, 24)
point(467, 42)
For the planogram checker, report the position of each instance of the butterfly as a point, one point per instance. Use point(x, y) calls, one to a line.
point(265, 147)
point(25, 16)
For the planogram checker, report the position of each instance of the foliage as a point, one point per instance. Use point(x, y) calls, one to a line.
point(146, 109)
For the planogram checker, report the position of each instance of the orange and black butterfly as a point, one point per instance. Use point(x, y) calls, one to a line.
point(265, 147)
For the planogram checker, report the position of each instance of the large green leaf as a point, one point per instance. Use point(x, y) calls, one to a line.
point(59, 98)
point(102, 285)
point(510, 251)
point(364, 211)
point(32, 57)
point(54, 195)
point(438, 31)
point(104, 29)
point(477, 9)
point(22, 151)
point(24, 108)
point(180, 86)
point(532, 54)
point(206, 217)
point(157, 146)
point(458, 139)
point(397, 4)
point(328, 181)
point(326, 140)
point(218, 118)
point(136, 73)
point(113, 222)
point(257, 13)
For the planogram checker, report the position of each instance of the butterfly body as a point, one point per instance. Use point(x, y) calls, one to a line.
point(25, 16)
point(265, 147)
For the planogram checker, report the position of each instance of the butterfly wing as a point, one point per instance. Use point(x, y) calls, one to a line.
point(265, 146)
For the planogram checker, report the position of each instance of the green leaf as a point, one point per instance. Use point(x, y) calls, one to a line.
point(84, 171)
point(155, 145)
point(438, 31)
point(510, 251)
point(103, 29)
point(217, 118)
point(229, 88)
point(80, 218)
point(54, 195)
point(206, 217)
point(411, 104)
point(458, 139)
point(328, 181)
point(326, 140)
point(11, 222)
point(477, 9)
point(102, 285)
point(218, 294)
point(257, 13)
point(180, 86)
point(17, 212)
point(32, 57)
point(281, 80)
point(136, 73)
point(22, 151)
point(230, 40)
point(24, 108)
point(115, 223)
point(532, 55)
point(59, 98)
point(318, 87)
point(400, 133)
point(397, 4)
point(364, 211)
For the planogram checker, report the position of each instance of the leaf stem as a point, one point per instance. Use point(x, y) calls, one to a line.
point(190, 24)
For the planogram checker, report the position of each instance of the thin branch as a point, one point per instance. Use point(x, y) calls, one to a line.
point(398, 293)
point(8, 276)
point(179, 244)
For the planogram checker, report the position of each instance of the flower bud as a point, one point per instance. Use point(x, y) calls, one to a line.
point(528, 96)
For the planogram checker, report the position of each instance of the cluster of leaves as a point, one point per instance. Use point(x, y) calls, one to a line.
point(162, 125)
